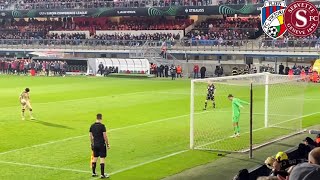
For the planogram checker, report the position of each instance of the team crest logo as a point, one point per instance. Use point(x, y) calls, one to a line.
point(272, 20)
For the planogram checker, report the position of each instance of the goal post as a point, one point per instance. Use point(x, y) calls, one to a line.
point(266, 94)
point(192, 116)
point(277, 111)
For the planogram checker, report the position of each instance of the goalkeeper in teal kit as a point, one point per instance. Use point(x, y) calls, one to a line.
point(236, 105)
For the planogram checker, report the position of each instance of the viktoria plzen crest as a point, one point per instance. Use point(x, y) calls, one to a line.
point(272, 20)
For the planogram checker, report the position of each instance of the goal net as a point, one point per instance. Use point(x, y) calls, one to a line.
point(277, 111)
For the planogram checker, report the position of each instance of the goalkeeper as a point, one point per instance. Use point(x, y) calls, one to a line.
point(210, 96)
point(236, 105)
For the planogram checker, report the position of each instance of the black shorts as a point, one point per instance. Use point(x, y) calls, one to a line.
point(210, 97)
point(100, 151)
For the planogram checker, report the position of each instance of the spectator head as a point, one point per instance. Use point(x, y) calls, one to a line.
point(305, 171)
point(281, 156)
point(269, 162)
point(268, 178)
point(318, 140)
point(314, 156)
point(242, 175)
point(308, 141)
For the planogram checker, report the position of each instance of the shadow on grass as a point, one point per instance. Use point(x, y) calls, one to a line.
point(50, 124)
point(284, 144)
point(244, 158)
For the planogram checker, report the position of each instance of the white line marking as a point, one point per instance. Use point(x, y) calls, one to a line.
point(80, 99)
point(285, 115)
point(72, 100)
point(307, 115)
point(137, 165)
point(111, 130)
point(43, 144)
point(150, 161)
point(306, 99)
point(44, 167)
point(82, 171)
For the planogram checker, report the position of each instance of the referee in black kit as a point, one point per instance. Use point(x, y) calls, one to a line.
point(99, 145)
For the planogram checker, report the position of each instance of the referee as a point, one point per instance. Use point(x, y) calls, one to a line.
point(99, 145)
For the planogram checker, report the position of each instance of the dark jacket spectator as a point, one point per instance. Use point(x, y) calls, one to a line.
point(203, 72)
point(281, 69)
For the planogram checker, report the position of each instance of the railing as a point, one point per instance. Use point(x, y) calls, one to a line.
point(217, 31)
point(183, 45)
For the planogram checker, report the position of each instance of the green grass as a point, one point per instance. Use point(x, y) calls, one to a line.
point(147, 120)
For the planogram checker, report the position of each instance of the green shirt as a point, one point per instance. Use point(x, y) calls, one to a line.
point(236, 105)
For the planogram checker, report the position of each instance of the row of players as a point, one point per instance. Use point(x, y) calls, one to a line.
point(23, 67)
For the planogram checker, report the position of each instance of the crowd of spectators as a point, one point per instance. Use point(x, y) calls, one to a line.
point(63, 36)
point(142, 36)
point(132, 23)
point(34, 29)
point(27, 29)
point(289, 40)
point(77, 4)
point(149, 24)
point(212, 32)
point(303, 164)
point(225, 31)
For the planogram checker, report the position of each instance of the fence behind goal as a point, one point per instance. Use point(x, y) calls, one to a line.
point(277, 111)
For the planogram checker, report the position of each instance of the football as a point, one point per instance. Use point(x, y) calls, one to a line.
point(273, 31)
point(23, 102)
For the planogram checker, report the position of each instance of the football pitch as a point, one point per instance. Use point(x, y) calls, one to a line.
point(147, 122)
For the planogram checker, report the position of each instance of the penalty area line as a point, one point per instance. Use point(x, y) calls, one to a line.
point(258, 129)
point(44, 167)
point(90, 98)
point(110, 130)
point(88, 172)
point(43, 144)
point(148, 162)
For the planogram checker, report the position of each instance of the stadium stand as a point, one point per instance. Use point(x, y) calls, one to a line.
point(129, 24)
point(180, 31)
point(214, 24)
point(224, 31)
point(35, 29)
point(287, 165)
point(149, 24)
point(291, 41)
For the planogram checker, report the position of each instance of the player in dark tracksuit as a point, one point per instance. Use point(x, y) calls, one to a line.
point(100, 68)
point(99, 145)
point(210, 96)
